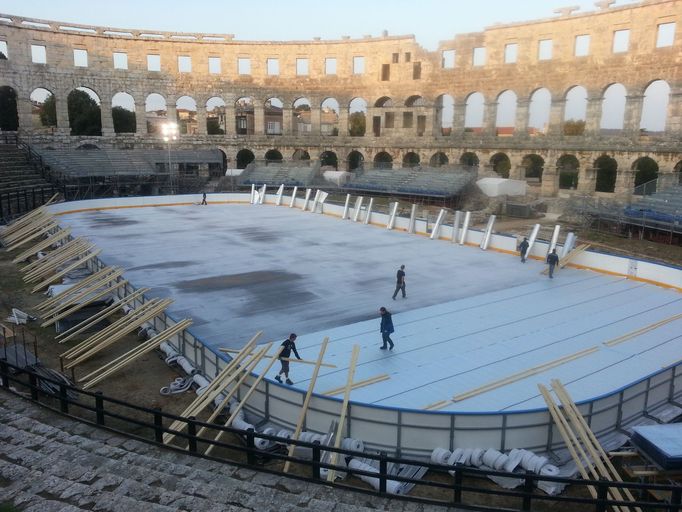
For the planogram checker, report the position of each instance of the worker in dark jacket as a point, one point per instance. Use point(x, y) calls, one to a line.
point(552, 261)
point(400, 282)
point(288, 345)
point(523, 249)
point(386, 328)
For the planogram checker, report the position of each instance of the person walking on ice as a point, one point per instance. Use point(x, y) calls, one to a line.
point(552, 261)
point(523, 249)
point(203, 200)
point(289, 345)
point(400, 282)
point(386, 328)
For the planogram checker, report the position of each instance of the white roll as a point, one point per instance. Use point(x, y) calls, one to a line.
point(454, 457)
point(355, 445)
point(465, 458)
point(539, 462)
point(285, 434)
point(490, 456)
point(392, 486)
point(527, 459)
point(440, 455)
point(501, 461)
point(514, 459)
point(477, 457)
point(549, 470)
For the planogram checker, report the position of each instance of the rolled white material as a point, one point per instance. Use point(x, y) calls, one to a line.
point(549, 470)
point(264, 444)
point(490, 456)
point(355, 445)
point(187, 367)
point(477, 457)
point(285, 434)
point(454, 457)
point(440, 456)
point(168, 349)
point(201, 382)
point(501, 461)
point(392, 486)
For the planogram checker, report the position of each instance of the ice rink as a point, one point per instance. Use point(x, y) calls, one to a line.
point(471, 318)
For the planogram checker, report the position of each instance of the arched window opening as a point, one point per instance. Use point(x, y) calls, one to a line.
point(613, 108)
point(646, 176)
point(85, 115)
point(539, 111)
point(329, 117)
point(474, 112)
point(445, 114)
point(501, 164)
point(505, 120)
point(216, 117)
point(411, 159)
point(329, 159)
point(575, 112)
point(300, 154)
point(533, 165)
point(607, 170)
point(356, 161)
point(43, 109)
point(655, 107)
point(155, 112)
point(243, 116)
point(302, 117)
point(273, 116)
point(186, 115)
point(383, 160)
point(273, 156)
point(439, 160)
point(357, 118)
point(469, 159)
point(244, 158)
point(123, 113)
point(568, 168)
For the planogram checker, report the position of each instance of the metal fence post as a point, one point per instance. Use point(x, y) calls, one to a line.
point(602, 495)
point(192, 434)
point(251, 445)
point(527, 491)
point(33, 381)
point(4, 373)
point(158, 426)
point(99, 408)
point(383, 469)
point(316, 460)
point(676, 499)
point(457, 498)
point(63, 399)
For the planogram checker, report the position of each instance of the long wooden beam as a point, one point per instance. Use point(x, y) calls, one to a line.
point(242, 402)
point(522, 375)
point(84, 303)
point(61, 296)
point(306, 402)
point(44, 244)
point(52, 265)
point(98, 317)
point(22, 221)
point(32, 236)
point(65, 271)
point(331, 474)
point(55, 258)
point(205, 398)
point(52, 254)
point(569, 257)
point(36, 224)
point(82, 294)
point(358, 384)
point(137, 352)
point(643, 330)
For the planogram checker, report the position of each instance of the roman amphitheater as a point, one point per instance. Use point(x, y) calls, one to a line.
point(313, 158)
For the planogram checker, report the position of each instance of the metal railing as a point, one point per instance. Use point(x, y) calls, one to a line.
point(460, 490)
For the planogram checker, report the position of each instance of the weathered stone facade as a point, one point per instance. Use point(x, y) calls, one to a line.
point(401, 83)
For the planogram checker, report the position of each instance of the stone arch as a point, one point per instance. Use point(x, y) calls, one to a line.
point(329, 158)
point(273, 156)
point(415, 101)
point(501, 164)
point(533, 165)
point(607, 171)
point(505, 118)
point(85, 114)
point(123, 113)
point(301, 118)
point(244, 118)
point(445, 113)
point(539, 111)
point(155, 111)
point(655, 107)
point(216, 116)
point(568, 168)
point(300, 154)
point(383, 102)
point(357, 117)
point(356, 161)
point(43, 108)
point(186, 115)
point(329, 117)
point(411, 159)
point(469, 159)
point(273, 116)
point(575, 110)
point(439, 159)
point(9, 115)
point(382, 160)
point(474, 112)
point(244, 158)
point(613, 107)
point(646, 172)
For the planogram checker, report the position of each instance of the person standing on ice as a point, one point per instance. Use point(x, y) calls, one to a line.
point(288, 345)
point(552, 260)
point(386, 328)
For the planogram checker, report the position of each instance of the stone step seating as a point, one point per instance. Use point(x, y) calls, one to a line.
point(51, 463)
point(665, 206)
point(16, 174)
point(104, 162)
point(421, 181)
point(275, 175)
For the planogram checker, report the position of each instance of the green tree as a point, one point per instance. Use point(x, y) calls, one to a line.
point(124, 120)
point(357, 124)
point(48, 112)
point(213, 126)
point(9, 120)
point(574, 127)
point(85, 116)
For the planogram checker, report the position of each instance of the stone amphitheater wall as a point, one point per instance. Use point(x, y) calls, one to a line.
point(413, 74)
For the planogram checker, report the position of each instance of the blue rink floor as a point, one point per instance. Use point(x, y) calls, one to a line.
point(471, 318)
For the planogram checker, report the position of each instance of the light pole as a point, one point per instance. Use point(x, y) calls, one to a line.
point(170, 134)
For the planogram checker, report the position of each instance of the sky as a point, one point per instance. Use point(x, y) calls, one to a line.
point(430, 21)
